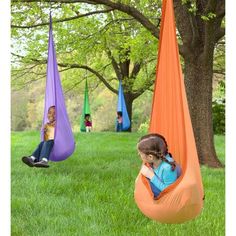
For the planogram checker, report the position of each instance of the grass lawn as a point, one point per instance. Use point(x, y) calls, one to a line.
point(91, 193)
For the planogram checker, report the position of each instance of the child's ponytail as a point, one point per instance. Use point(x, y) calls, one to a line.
point(172, 163)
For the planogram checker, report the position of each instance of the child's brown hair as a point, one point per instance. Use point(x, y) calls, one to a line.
point(156, 145)
point(51, 107)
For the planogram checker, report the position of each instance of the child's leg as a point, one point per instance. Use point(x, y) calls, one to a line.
point(156, 191)
point(30, 160)
point(87, 129)
point(46, 149)
point(119, 127)
point(37, 151)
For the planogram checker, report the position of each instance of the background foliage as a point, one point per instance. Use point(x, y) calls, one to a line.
point(88, 41)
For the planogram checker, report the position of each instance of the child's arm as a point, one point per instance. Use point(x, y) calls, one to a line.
point(45, 127)
point(168, 176)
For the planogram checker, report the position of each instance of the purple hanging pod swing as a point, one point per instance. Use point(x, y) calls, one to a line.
point(64, 144)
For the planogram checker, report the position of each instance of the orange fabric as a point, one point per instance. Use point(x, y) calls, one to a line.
point(183, 200)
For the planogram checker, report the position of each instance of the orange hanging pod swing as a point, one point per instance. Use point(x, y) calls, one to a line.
point(183, 200)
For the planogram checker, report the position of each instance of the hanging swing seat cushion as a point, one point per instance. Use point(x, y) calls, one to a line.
point(182, 200)
point(179, 171)
point(121, 107)
point(86, 110)
point(64, 144)
point(176, 204)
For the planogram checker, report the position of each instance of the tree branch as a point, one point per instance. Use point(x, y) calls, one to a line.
point(71, 66)
point(136, 69)
point(62, 20)
point(143, 89)
point(211, 6)
point(220, 34)
point(221, 72)
point(74, 85)
point(185, 25)
point(96, 73)
point(114, 5)
point(56, 1)
point(114, 63)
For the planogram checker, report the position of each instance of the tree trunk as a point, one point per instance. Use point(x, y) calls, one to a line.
point(198, 81)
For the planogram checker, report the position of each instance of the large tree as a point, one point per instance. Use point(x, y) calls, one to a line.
point(111, 47)
point(199, 24)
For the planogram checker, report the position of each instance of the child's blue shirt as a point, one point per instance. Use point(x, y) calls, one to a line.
point(164, 175)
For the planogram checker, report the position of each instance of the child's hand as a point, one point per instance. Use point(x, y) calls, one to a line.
point(45, 128)
point(147, 172)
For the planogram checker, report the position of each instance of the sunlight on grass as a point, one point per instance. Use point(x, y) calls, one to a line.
point(91, 193)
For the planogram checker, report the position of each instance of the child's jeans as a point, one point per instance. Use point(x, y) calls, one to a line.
point(43, 150)
point(118, 127)
point(156, 191)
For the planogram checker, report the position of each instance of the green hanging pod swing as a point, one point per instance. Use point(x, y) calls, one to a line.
point(85, 119)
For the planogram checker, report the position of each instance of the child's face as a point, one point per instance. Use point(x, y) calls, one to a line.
point(51, 114)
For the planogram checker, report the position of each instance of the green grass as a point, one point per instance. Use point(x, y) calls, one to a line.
point(91, 193)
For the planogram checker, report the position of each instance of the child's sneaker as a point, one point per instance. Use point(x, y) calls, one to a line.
point(42, 163)
point(28, 161)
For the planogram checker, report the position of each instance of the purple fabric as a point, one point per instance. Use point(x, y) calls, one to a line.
point(64, 143)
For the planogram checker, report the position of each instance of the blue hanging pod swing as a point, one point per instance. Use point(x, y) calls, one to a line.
point(122, 111)
point(64, 143)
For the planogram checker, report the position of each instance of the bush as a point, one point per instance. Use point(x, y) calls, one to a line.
point(143, 128)
point(218, 113)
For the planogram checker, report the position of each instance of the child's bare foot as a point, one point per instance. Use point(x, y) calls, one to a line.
point(28, 161)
